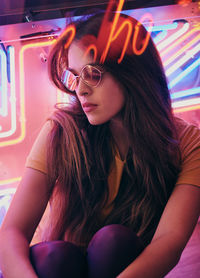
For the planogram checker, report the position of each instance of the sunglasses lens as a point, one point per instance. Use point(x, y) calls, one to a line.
point(91, 75)
point(69, 80)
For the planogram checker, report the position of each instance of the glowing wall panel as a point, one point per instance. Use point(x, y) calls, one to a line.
point(20, 110)
point(34, 99)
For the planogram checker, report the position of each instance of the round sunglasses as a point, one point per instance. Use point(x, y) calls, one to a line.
point(91, 76)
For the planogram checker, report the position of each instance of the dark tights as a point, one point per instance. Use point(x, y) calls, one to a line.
point(110, 251)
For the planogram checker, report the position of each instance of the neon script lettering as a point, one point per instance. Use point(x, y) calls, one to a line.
point(118, 31)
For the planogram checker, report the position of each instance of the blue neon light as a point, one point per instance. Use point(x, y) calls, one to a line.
point(184, 73)
point(160, 36)
point(186, 93)
point(3, 85)
point(164, 27)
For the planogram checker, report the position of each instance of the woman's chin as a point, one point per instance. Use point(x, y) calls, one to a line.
point(96, 121)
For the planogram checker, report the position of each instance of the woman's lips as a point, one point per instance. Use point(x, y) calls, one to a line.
point(88, 107)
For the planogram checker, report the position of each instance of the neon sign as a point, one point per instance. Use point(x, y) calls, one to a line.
point(184, 2)
point(116, 29)
point(3, 84)
point(194, 65)
point(8, 97)
point(179, 60)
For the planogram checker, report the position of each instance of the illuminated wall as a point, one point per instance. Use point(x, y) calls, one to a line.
point(27, 97)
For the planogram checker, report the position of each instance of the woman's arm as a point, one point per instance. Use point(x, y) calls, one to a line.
point(23, 216)
point(174, 230)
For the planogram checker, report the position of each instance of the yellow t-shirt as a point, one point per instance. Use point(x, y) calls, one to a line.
point(37, 160)
point(189, 136)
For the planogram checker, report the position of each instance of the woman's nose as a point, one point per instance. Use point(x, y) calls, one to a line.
point(82, 88)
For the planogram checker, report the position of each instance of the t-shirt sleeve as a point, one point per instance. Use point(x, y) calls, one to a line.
point(37, 156)
point(189, 137)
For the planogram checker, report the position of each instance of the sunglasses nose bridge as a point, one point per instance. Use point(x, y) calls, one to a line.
point(89, 75)
point(82, 87)
point(76, 80)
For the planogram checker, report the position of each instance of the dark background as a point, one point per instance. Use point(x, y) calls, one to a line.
point(18, 11)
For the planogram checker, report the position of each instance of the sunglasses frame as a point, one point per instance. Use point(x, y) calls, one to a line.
point(84, 81)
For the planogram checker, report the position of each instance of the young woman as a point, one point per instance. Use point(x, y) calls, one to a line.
point(122, 174)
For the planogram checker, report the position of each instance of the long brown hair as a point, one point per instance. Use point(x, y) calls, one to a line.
point(80, 155)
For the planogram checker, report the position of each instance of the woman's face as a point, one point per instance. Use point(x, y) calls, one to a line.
point(102, 103)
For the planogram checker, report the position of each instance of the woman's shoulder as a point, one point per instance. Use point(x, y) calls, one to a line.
point(47, 126)
point(187, 131)
point(37, 155)
point(189, 139)
point(189, 143)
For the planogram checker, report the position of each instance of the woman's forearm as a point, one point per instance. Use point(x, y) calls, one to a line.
point(157, 259)
point(14, 255)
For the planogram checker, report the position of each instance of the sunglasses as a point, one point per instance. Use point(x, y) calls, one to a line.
point(90, 75)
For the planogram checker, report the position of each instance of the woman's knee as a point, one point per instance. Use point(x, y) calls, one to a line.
point(111, 250)
point(116, 235)
point(58, 259)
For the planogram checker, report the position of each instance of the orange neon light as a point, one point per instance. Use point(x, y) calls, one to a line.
point(180, 40)
point(71, 29)
point(113, 37)
point(22, 91)
point(9, 181)
point(22, 103)
point(184, 2)
point(130, 28)
point(186, 109)
point(137, 31)
point(127, 23)
point(94, 48)
point(114, 34)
